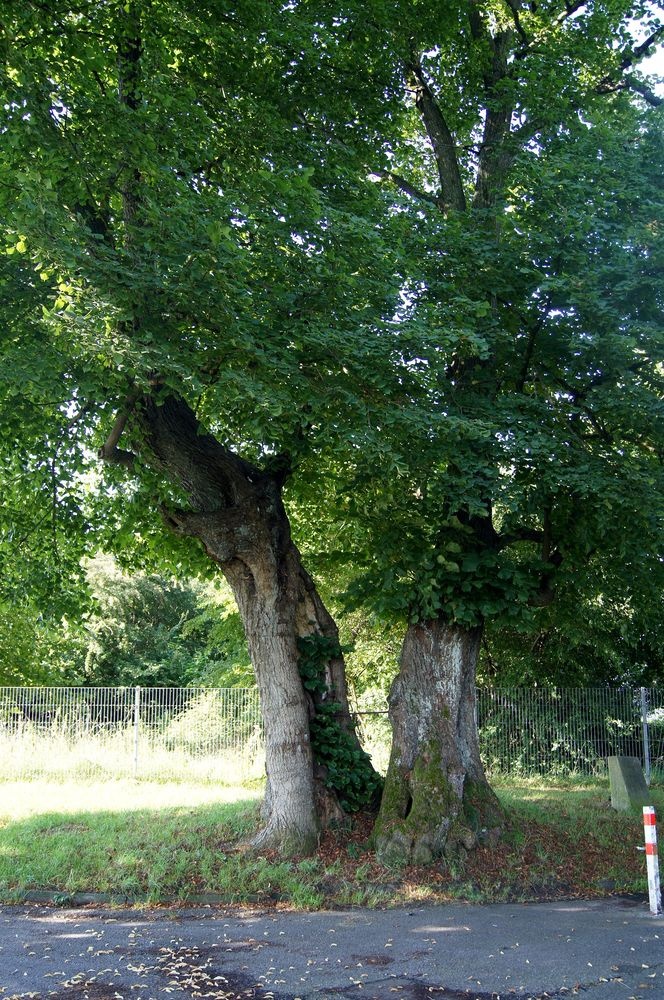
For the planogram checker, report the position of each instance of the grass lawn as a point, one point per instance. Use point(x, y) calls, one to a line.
point(162, 843)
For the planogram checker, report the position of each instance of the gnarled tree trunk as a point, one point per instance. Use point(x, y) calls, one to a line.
point(236, 511)
point(436, 801)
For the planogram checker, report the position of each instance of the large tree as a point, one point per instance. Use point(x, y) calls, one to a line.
point(383, 238)
point(526, 151)
point(182, 217)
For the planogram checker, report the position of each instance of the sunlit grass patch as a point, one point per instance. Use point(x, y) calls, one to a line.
point(122, 838)
point(19, 799)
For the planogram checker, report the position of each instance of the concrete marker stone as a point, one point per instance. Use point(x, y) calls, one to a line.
point(628, 786)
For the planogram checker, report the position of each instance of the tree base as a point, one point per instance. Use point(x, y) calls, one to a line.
point(435, 824)
point(436, 802)
point(287, 842)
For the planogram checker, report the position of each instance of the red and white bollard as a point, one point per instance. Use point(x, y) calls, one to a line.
point(652, 860)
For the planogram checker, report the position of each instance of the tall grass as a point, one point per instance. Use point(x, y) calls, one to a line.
point(181, 733)
point(110, 754)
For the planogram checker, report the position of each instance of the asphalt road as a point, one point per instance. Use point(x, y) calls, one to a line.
point(603, 950)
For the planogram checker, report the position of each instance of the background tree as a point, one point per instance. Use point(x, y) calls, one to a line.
point(602, 629)
point(148, 630)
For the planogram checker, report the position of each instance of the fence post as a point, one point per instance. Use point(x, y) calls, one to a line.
point(646, 734)
point(137, 719)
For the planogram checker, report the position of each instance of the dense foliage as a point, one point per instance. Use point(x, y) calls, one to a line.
point(531, 329)
point(133, 629)
point(150, 631)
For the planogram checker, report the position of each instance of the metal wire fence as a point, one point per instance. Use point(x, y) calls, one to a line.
point(571, 731)
point(202, 734)
point(216, 734)
point(555, 732)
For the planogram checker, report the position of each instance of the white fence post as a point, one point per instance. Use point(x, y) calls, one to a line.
point(137, 719)
point(646, 734)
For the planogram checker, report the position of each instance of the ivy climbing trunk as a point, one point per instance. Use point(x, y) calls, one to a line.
point(436, 800)
point(236, 511)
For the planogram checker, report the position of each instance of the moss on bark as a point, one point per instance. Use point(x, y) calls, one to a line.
point(436, 801)
point(417, 810)
point(423, 819)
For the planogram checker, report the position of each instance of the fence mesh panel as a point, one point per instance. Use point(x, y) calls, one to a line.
point(655, 715)
point(216, 734)
point(203, 734)
point(535, 731)
point(548, 732)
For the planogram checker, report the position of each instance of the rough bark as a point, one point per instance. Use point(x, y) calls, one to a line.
point(436, 801)
point(236, 511)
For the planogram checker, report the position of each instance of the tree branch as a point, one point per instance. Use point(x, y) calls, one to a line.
point(494, 157)
point(570, 11)
point(631, 82)
point(109, 451)
point(550, 554)
point(533, 333)
point(564, 15)
point(515, 8)
point(129, 56)
point(579, 393)
point(643, 49)
point(627, 81)
point(442, 141)
point(409, 188)
point(477, 25)
point(642, 88)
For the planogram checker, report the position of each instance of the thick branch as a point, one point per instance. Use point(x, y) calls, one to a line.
point(129, 54)
point(579, 393)
point(215, 477)
point(442, 141)
point(639, 51)
point(631, 82)
point(553, 558)
point(410, 189)
point(515, 8)
point(477, 26)
point(528, 356)
point(495, 158)
point(642, 88)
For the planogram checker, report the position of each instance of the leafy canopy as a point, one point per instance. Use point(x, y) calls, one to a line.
point(529, 436)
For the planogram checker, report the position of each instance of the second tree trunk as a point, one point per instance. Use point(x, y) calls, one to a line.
point(436, 801)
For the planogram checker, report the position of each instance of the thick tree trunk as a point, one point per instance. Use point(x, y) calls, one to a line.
point(436, 801)
point(279, 605)
point(237, 513)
